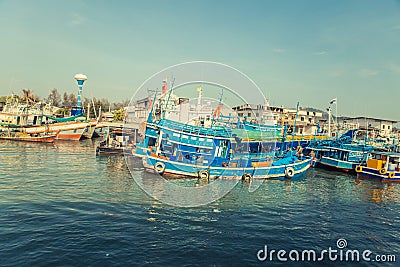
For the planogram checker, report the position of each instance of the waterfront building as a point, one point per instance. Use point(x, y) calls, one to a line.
point(381, 127)
point(306, 121)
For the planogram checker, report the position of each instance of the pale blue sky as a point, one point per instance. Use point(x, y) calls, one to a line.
point(307, 51)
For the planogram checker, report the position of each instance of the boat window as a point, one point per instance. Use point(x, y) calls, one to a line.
point(152, 141)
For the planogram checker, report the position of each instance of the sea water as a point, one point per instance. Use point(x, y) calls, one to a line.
point(61, 205)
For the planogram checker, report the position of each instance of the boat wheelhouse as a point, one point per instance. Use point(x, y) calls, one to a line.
point(117, 141)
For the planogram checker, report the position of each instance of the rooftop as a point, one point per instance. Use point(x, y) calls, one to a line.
point(369, 118)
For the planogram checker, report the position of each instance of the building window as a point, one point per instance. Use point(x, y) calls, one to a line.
point(249, 114)
point(383, 127)
point(388, 127)
point(301, 118)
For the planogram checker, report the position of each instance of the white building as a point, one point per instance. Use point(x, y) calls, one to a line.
point(381, 127)
point(306, 122)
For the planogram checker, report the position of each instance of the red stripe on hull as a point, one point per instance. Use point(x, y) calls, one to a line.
point(72, 136)
point(49, 139)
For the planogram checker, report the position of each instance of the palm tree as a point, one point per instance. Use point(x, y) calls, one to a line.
point(28, 96)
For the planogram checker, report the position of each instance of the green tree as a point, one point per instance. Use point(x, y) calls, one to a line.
point(119, 105)
point(73, 100)
point(65, 102)
point(119, 115)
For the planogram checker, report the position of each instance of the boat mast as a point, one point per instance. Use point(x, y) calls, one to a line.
point(294, 124)
point(218, 110)
point(98, 118)
point(88, 111)
point(200, 91)
point(169, 96)
point(149, 119)
point(329, 122)
point(94, 109)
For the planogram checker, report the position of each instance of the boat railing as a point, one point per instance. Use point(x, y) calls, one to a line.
point(196, 130)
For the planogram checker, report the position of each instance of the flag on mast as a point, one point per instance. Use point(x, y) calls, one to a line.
point(217, 111)
point(333, 101)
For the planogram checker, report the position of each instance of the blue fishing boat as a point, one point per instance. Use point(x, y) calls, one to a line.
point(222, 149)
point(339, 158)
point(381, 166)
point(341, 154)
point(177, 149)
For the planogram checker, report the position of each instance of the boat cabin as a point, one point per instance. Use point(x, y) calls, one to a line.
point(188, 144)
point(345, 154)
point(384, 160)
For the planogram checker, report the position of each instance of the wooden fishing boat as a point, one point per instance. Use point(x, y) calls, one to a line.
point(20, 136)
point(68, 130)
